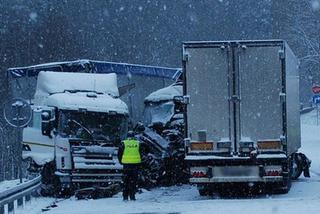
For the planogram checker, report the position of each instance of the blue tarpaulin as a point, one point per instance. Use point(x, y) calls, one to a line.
point(91, 66)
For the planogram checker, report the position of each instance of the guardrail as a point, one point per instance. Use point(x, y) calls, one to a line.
point(19, 194)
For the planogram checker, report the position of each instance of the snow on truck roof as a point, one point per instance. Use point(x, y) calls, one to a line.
point(59, 89)
point(59, 82)
point(165, 94)
point(81, 100)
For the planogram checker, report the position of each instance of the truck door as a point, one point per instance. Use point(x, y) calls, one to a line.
point(208, 85)
point(259, 79)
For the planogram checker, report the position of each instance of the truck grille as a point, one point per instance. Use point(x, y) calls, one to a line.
point(96, 164)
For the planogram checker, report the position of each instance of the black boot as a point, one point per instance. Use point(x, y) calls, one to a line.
point(132, 197)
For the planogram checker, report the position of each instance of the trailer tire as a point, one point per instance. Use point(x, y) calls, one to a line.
point(285, 186)
point(205, 191)
point(282, 188)
point(297, 166)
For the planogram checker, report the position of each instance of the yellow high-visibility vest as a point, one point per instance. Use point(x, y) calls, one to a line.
point(131, 153)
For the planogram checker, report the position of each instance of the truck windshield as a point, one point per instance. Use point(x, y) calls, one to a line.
point(158, 112)
point(102, 126)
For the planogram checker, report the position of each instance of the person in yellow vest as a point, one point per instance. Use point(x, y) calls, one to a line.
point(129, 155)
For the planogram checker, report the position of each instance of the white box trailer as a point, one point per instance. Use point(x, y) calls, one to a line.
point(242, 118)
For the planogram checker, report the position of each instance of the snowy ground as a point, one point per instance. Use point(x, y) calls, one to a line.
point(304, 196)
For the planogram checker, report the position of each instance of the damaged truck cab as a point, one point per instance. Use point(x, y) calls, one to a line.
point(160, 108)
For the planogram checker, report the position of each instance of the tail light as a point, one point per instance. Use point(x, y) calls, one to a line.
point(273, 171)
point(269, 145)
point(199, 172)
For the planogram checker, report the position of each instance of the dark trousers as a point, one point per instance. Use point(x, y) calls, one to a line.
point(130, 180)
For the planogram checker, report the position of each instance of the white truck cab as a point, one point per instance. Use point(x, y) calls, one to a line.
point(78, 120)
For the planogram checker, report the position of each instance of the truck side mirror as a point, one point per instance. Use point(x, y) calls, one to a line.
point(139, 127)
point(46, 123)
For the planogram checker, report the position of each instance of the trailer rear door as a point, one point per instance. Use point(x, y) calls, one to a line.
point(235, 91)
point(206, 72)
point(260, 87)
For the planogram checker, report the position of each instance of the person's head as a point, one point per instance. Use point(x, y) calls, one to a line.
point(130, 134)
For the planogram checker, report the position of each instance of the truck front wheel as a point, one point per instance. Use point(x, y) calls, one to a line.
point(51, 185)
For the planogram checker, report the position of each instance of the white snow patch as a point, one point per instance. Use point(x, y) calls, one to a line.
point(271, 156)
point(58, 82)
point(164, 94)
point(36, 205)
point(212, 157)
point(76, 101)
point(33, 16)
point(5, 185)
point(315, 4)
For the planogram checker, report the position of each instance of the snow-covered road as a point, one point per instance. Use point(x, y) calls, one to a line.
point(304, 196)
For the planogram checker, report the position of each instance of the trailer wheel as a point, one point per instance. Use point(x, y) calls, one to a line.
point(297, 167)
point(204, 191)
point(283, 188)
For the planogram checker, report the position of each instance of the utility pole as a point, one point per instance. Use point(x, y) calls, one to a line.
point(17, 113)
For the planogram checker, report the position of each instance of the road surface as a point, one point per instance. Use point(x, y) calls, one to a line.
point(304, 196)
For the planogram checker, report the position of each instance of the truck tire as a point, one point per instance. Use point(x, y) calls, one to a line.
point(50, 183)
